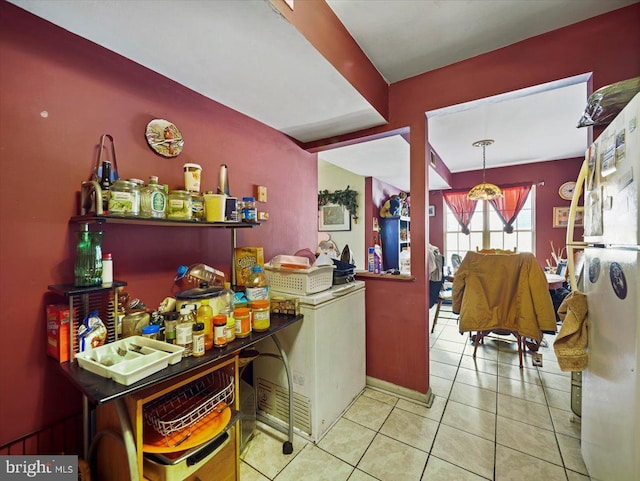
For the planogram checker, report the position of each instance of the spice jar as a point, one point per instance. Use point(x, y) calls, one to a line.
point(260, 315)
point(179, 205)
point(124, 198)
point(198, 339)
point(242, 316)
point(170, 323)
point(219, 328)
point(151, 331)
point(230, 331)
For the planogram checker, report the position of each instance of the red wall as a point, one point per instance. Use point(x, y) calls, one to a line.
point(552, 174)
point(88, 91)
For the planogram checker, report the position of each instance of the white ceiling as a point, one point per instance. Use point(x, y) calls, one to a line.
point(245, 55)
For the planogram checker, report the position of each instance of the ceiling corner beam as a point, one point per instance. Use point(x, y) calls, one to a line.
point(315, 20)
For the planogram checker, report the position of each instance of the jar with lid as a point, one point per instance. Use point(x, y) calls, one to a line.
point(197, 206)
point(242, 316)
point(198, 339)
point(260, 315)
point(205, 317)
point(179, 205)
point(153, 200)
point(219, 328)
point(124, 198)
point(249, 213)
point(151, 331)
point(256, 286)
point(133, 322)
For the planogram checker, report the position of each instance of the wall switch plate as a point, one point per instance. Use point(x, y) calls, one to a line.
point(261, 193)
point(263, 216)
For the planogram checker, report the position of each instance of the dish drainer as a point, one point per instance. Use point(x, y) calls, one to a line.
point(180, 411)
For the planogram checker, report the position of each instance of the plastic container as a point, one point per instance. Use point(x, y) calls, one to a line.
point(249, 212)
point(197, 206)
point(205, 317)
point(184, 337)
point(242, 316)
point(192, 177)
point(191, 277)
point(219, 328)
point(300, 281)
point(405, 261)
point(151, 331)
point(124, 198)
point(260, 315)
point(256, 287)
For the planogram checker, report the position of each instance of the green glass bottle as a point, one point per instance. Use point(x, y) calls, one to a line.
point(88, 264)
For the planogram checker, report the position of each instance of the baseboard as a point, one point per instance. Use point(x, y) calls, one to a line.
point(415, 396)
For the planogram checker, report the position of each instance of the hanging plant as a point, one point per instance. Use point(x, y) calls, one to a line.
point(346, 198)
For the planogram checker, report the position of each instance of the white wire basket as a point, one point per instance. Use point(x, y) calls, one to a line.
point(299, 281)
point(181, 409)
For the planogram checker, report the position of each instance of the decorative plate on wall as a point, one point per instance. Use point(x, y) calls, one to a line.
point(164, 138)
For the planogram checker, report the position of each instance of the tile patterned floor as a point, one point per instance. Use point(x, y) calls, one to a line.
point(490, 420)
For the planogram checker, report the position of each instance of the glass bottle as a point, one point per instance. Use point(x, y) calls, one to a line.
point(88, 263)
point(205, 317)
point(226, 301)
point(256, 287)
point(105, 184)
point(153, 200)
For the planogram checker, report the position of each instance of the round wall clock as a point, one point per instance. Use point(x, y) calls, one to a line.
point(566, 190)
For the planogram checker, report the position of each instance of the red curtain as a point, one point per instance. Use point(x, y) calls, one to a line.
point(462, 207)
point(510, 204)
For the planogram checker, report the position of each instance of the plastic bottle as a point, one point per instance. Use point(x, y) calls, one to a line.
point(260, 315)
point(405, 261)
point(256, 287)
point(205, 316)
point(226, 301)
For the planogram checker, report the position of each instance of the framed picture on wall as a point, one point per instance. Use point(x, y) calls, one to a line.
point(333, 217)
point(432, 210)
point(561, 217)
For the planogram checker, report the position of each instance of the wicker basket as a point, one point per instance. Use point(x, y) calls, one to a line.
point(299, 281)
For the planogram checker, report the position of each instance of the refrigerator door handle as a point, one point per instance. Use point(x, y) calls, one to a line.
point(572, 244)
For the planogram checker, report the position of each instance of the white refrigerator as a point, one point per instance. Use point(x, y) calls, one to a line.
point(610, 439)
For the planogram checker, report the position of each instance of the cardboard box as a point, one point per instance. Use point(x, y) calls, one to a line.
point(246, 258)
point(58, 331)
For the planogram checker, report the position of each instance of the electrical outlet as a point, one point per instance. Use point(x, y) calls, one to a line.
point(261, 193)
point(263, 216)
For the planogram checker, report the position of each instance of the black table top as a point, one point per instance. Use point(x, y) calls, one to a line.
point(100, 390)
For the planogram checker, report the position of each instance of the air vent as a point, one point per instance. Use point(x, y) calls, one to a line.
point(274, 400)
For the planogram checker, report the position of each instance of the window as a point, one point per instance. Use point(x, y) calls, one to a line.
point(486, 230)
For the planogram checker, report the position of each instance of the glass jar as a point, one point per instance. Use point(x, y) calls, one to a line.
point(133, 322)
point(219, 328)
point(170, 323)
point(151, 331)
point(179, 205)
point(260, 315)
point(242, 315)
point(124, 198)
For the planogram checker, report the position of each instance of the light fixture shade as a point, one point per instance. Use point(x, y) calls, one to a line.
point(485, 191)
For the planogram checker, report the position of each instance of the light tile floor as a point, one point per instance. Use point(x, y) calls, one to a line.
point(489, 420)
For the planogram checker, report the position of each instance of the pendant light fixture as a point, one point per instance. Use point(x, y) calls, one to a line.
point(484, 191)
